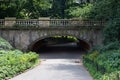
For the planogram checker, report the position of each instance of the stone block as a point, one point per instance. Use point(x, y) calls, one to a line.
point(10, 21)
point(44, 21)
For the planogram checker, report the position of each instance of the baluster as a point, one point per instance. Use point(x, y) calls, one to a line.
point(76, 25)
point(63, 21)
point(25, 23)
point(87, 23)
point(93, 23)
point(70, 23)
point(29, 23)
point(56, 22)
point(0, 22)
point(59, 23)
point(90, 23)
point(20, 22)
point(66, 23)
point(53, 23)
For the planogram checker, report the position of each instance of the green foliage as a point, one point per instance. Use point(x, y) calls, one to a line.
point(66, 38)
point(111, 46)
point(15, 62)
point(4, 44)
point(112, 31)
point(106, 9)
point(11, 8)
point(99, 10)
point(24, 8)
point(110, 60)
point(112, 76)
point(35, 8)
point(81, 12)
point(106, 62)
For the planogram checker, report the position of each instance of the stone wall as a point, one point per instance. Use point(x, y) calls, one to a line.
point(24, 39)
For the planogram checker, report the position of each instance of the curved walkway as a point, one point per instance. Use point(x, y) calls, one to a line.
point(66, 65)
point(59, 69)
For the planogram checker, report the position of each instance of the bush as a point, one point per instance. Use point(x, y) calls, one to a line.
point(15, 62)
point(105, 62)
point(112, 76)
point(112, 31)
point(5, 45)
point(110, 60)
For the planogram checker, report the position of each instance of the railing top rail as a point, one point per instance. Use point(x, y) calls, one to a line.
point(75, 23)
point(57, 19)
point(2, 19)
point(26, 19)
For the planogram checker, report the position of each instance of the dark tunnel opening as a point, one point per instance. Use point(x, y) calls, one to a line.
point(60, 43)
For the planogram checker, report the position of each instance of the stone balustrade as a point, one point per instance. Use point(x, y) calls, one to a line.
point(46, 22)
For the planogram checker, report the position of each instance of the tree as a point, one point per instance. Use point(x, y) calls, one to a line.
point(59, 8)
point(11, 8)
point(25, 8)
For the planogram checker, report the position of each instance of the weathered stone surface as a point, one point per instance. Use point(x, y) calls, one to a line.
point(23, 39)
point(9, 22)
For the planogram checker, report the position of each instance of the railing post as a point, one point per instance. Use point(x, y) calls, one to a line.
point(10, 21)
point(44, 21)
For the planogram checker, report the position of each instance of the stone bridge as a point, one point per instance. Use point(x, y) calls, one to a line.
point(26, 38)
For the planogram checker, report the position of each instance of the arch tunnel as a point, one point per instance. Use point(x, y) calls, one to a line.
point(62, 41)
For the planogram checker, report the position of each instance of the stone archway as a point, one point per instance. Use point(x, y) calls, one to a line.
point(34, 46)
point(24, 39)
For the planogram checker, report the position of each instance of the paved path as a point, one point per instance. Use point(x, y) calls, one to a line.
point(57, 66)
point(56, 69)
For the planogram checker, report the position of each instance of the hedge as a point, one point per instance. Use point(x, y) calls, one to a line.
point(15, 62)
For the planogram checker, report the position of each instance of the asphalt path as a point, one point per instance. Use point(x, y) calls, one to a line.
point(58, 62)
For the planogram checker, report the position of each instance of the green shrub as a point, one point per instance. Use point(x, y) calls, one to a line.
point(5, 45)
point(111, 76)
point(110, 60)
point(15, 62)
point(101, 63)
point(112, 31)
point(93, 55)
